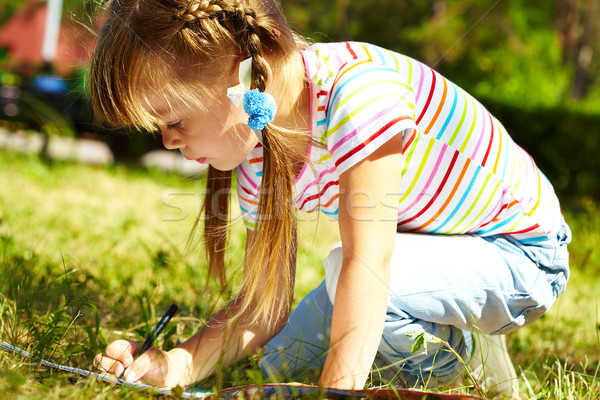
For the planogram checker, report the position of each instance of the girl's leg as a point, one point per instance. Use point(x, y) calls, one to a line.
point(443, 285)
point(455, 287)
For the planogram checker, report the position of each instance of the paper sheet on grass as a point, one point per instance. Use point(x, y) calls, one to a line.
point(266, 391)
point(188, 394)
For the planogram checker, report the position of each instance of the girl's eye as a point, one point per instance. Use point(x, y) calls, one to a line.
point(175, 125)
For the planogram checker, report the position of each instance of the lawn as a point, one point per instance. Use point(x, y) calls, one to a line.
point(89, 255)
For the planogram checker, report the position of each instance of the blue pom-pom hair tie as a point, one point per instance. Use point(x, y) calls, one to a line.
point(260, 106)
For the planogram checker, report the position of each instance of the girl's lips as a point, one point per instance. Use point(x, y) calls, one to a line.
point(201, 160)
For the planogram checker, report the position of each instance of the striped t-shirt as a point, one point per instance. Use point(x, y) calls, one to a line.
point(461, 171)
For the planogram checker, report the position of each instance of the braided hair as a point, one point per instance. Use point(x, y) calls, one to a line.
point(148, 42)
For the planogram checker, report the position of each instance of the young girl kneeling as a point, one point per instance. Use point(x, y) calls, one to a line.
point(447, 226)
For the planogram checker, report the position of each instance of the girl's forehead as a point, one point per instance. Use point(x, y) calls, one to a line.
point(157, 105)
point(162, 104)
point(181, 97)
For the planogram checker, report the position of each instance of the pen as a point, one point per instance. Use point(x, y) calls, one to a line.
point(154, 334)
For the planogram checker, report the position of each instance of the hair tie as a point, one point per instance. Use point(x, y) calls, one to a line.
point(260, 106)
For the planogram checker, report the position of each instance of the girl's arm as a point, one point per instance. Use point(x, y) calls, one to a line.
point(218, 342)
point(368, 214)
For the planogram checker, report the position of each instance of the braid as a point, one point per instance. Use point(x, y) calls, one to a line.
point(178, 46)
point(243, 25)
point(219, 21)
point(197, 10)
point(249, 40)
point(240, 22)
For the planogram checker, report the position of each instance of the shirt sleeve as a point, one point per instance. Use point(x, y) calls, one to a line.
point(368, 105)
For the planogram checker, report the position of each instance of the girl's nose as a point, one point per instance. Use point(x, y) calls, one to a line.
point(171, 141)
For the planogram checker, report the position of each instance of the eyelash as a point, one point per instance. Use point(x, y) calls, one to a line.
point(175, 125)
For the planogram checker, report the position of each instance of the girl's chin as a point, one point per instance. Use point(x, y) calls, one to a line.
point(223, 167)
point(228, 162)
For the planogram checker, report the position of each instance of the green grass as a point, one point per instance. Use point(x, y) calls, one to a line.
point(89, 255)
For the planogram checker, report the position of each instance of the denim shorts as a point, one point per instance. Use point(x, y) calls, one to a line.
point(447, 286)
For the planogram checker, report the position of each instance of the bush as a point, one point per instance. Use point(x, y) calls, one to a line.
point(563, 142)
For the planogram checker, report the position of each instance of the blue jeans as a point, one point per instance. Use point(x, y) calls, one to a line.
point(443, 285)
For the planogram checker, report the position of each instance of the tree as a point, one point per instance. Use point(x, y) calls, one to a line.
point(579, 33)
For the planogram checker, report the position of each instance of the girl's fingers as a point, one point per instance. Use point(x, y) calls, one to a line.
point(150, 368)
point(123, 351)
point(118, 356)
point(139, 367)
point(108, 364)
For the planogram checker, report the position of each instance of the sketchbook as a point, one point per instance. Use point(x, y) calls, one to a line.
point(266, 391)
point(188, 394)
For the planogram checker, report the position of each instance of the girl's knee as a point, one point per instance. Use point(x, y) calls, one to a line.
point(433, 361)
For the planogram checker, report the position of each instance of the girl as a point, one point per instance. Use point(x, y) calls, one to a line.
point(447, 226)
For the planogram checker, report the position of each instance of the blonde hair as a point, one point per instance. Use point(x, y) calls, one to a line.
point(179, 45)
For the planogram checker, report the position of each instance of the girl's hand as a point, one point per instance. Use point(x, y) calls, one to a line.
point(151, 368)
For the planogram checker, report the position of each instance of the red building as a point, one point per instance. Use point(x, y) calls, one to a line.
point(23, 36)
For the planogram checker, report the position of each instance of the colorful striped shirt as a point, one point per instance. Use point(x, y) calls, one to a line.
point(461, 171)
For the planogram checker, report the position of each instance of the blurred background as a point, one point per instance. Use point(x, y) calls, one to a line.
point(533, 63)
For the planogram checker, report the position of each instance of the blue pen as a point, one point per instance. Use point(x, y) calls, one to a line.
point(154, 334)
